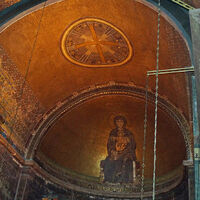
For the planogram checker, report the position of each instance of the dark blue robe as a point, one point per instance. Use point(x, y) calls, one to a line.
point(119, 168)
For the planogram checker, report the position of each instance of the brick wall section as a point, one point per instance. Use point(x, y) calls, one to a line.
point(9, 175)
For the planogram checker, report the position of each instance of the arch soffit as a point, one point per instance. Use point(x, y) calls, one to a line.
point(111, 88)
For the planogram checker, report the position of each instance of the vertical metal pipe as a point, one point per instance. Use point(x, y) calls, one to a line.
point(24, 189)
point(156, 101)
point(18, 184)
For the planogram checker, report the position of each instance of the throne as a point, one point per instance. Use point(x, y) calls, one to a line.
point(134, 174)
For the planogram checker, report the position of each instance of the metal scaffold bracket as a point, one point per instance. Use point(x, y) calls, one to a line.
point(171, 71)
point(183, 4)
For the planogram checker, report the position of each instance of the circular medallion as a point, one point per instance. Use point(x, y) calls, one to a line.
point(93, 42)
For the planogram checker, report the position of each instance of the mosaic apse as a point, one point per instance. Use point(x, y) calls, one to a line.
point(93, 42)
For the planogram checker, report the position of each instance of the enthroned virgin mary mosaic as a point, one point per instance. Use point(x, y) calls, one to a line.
point(120, 163)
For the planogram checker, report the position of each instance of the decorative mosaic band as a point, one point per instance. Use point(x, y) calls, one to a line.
point(20, 111)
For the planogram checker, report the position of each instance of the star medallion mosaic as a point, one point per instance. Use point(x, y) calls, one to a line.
point(94, 42)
